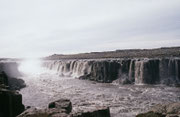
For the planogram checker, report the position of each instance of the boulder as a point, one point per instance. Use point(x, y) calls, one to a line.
point(64, 104)
point(93, 112)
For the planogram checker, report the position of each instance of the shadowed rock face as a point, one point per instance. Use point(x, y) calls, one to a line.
point(124, 71)
point(10, 101)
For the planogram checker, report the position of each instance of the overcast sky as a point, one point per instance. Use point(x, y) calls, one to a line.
point(43, 27)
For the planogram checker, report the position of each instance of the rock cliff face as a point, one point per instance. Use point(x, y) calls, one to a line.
point(124, 71)
point(10, 101)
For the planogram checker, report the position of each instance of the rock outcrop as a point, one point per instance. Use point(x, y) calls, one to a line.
point(163, 110)
point(62, 108)
point(10, 101)
point(10, 73)
point(124, 71)
point(62, 104)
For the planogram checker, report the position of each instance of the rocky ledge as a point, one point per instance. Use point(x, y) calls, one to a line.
point(163, 110)
point(63, 108)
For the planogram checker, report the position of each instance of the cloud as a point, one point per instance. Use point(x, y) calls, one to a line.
point(35, 28)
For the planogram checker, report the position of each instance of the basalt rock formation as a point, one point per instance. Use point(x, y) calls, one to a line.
point(10, 101)
point(124, 71)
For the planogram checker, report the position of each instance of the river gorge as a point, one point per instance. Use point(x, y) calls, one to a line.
point(127, 86)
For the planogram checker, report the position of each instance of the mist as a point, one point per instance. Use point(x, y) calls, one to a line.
point(31, 67)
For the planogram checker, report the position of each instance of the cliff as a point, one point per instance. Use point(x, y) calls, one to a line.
point(124, 71)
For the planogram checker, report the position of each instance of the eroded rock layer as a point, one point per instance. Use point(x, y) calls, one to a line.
point(124, 71)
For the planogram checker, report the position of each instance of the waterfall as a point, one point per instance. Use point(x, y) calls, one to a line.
point(126, 71)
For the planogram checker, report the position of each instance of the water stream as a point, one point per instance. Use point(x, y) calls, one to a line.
point(123, 100)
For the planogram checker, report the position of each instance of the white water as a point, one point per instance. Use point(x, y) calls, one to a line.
point(123, 100)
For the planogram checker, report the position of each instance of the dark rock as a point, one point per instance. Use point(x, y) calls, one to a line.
point(62, 104)
point(16, 84)
point(3, 78)
point(12, 83)
point(10, 103)
point(94, 112)
point(151, 114)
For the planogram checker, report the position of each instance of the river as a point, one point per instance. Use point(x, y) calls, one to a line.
point(123, 100)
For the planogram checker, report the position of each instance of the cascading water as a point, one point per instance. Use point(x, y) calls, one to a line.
point(127, 71)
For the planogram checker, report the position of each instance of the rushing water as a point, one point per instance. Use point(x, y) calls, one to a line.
point(123, 100)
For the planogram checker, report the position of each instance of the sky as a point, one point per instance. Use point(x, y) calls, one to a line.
point(38, 28)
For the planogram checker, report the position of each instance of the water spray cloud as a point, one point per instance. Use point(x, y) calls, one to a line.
point(31, 66)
